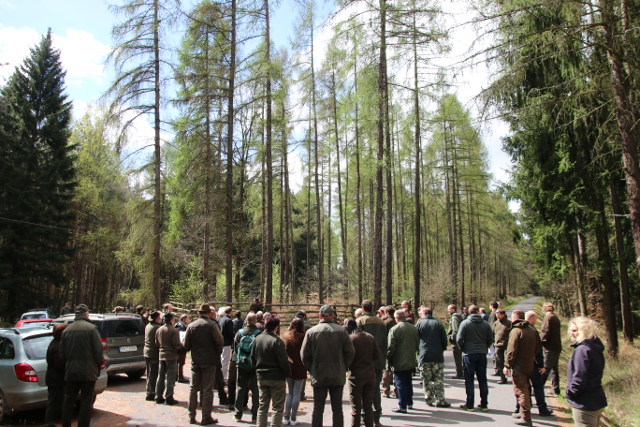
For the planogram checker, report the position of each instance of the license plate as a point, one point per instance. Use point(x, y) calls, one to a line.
point(128, 348)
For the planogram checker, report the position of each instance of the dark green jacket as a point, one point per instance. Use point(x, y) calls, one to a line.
point(475, 335)
point(269, 357)
point(168, 340)
point(433, 340)
point(81, 349)
point(327, 352)
point(373, 325)
point(151, 349)
point(204, 340)
point(454, 325)
point(500, 330)
point(403, 346)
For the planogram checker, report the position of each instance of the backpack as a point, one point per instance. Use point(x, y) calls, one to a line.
point(244, 349)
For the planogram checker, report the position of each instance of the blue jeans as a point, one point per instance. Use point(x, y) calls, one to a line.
point(405, 388)
point(294, 387)
point(476, 365)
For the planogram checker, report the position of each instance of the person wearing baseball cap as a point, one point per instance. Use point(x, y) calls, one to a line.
point(327, 353)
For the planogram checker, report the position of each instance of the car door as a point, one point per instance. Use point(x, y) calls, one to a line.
point(125, 337)
point(8, 379)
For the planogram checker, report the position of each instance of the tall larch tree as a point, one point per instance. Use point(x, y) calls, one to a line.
point(138, 56)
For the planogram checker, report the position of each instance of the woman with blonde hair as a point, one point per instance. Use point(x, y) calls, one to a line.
point(585, 394)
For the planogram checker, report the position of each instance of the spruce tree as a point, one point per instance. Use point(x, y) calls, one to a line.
point(38, 181)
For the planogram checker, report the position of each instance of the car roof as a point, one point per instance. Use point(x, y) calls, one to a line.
point(105, 316)
point(35, 320)
point(24, 333)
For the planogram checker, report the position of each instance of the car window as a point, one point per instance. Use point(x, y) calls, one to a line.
point(125, 328)
point(35, 324)
point(7, 350)
point(33, 316)
point(36, 348)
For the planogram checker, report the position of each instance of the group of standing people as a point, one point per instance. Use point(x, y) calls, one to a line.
point(530, 358)
point(366, 351)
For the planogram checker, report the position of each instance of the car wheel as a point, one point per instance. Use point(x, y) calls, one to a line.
point(136, 375)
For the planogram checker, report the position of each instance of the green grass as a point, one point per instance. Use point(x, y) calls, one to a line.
point(621, 380)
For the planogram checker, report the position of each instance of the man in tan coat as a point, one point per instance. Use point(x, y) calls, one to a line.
point(521, 353)
point(168, 341)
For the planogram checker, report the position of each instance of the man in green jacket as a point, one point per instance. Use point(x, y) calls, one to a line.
point(500, 328)
point(327, 353)
point(373, 325)
point(401, 353)
point(81, 349)
point(270, 359)
point(152, 353)
point(204, 340)
point(168, 341)
point(452, 333)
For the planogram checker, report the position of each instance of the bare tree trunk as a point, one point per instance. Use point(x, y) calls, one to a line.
point(625, 295)
point(625, 116)
point(206, 255)
point(157, 163)
point(343, 225)
point(269, 187)
point(606, 277)
point(230, 118)
point(316, 173)
point(358, 180)
point(417, 190)
point(382, 115)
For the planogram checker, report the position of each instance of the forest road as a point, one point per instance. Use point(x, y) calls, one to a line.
point(123, 404)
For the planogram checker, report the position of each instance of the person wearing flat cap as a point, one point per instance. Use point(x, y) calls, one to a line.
point(81, 349)
point(168, 341)
point(327, 353)
point(204, 339)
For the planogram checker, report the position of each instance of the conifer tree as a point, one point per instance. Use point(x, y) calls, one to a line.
point(38, 181)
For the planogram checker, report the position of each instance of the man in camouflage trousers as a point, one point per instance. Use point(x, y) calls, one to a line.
point(433, 343)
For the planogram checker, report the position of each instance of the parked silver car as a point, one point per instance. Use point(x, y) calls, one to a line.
point(23, 367)
point(122, 340)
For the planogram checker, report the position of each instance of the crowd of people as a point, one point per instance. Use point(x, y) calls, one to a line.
point(250, 357)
